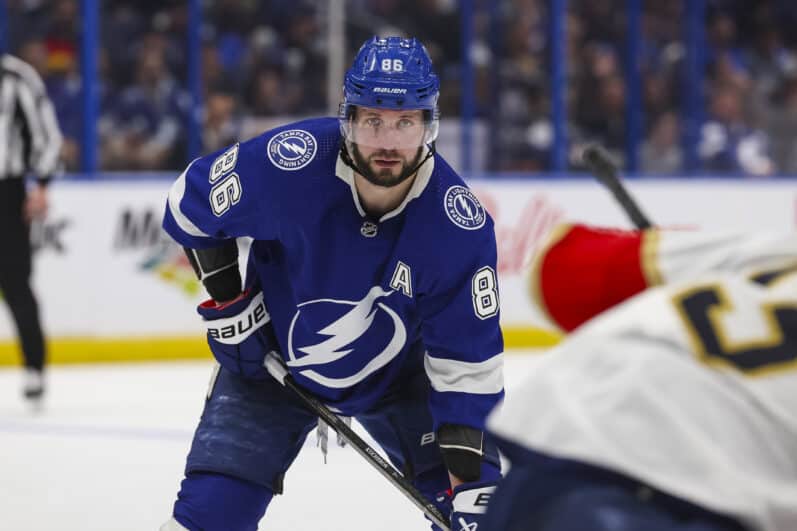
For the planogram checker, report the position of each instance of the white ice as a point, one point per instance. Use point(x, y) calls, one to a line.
point(107, 451)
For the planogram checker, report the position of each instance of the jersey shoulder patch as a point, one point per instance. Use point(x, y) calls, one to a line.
point(463, 208)
point(292, 149)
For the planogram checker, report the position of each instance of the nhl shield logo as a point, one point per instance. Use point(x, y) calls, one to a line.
point(463, 209)
point(292, 150)
point(369, 229)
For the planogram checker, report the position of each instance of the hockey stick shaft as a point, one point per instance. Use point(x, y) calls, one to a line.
point(600, 164)
point(277, 370)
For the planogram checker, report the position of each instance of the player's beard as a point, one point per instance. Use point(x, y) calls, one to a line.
point(384, 176)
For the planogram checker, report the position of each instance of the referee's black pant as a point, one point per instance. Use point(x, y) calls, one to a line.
point(15, 269)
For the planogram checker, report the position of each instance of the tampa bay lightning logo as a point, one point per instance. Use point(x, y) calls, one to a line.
point(463, 209)
point(339, 343)
point(292, 150)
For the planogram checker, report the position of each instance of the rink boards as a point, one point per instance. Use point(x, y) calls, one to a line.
point(112, 287)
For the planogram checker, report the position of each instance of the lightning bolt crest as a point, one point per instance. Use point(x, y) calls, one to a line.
point(293, 147)
point(347, 329)
point(465, 205)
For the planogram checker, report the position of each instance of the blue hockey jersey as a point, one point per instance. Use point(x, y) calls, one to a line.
point(353, 299)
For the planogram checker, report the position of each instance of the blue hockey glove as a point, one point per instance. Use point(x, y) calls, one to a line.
point(239, 333)
point(469, 502)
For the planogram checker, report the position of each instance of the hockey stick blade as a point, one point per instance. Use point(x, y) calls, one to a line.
point(275, 367)
point(600, 164)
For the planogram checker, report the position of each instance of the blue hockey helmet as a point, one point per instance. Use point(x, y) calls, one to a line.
point(392, 73)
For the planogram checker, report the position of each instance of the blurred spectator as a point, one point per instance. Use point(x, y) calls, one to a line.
point(724, 56)
point(658, 94)
point(525, 133)
point(34, 52)
point(728, 144)
point(602, 117)
point(222, 125)
point(64, 91)
point(269, 95)
point(781, 125)
point(61, 36)
point(233, 21)
point(427, 17)
point(604, 20)
point(233, 17)
point(214, 72)
point(122, 27)
point(304, 58)
point(149, 121)
point(661, 152)
point(770, 60)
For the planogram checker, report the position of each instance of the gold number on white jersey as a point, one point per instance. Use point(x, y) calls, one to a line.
point(702, 308)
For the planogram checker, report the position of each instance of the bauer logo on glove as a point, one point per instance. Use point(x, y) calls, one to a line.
point(239, 334)
point(232, 330)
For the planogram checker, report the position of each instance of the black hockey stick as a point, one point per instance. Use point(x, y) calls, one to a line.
point(599, 163)
point(275, 367)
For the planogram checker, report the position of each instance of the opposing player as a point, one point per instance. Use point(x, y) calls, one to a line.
point(673, 411)
point(372, 273)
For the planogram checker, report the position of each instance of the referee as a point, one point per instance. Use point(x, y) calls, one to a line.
point(30, 142)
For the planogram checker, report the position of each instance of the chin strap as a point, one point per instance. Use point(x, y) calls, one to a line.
point(348, 161)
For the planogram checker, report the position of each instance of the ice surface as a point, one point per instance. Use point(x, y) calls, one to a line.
point(108, 448)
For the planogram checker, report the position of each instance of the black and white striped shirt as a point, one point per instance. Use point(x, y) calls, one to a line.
point(30, 140)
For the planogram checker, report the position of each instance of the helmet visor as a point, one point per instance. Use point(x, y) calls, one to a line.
point(387, 128)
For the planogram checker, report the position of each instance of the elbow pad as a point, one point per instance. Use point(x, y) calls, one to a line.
point(217, 268)
point(462, 448)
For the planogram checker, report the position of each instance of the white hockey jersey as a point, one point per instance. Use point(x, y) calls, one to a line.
point(689, 387)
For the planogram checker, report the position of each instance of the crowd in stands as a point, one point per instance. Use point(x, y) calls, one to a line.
point(267, 59)
point(748, 98)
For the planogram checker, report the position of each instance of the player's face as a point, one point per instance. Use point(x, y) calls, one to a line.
point(387, 145)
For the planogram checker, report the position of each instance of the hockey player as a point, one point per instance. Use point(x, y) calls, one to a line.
point(673, 411)
point(371, 273)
